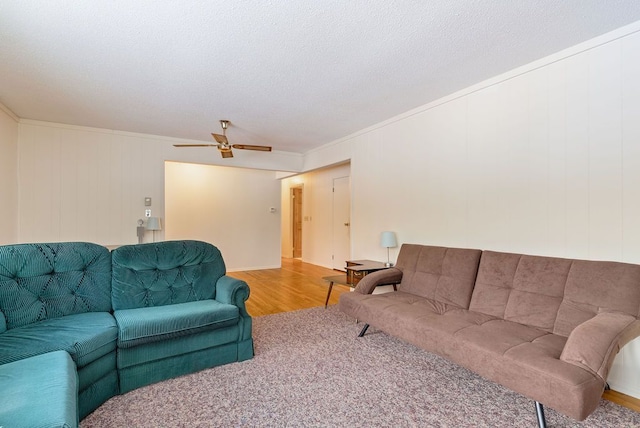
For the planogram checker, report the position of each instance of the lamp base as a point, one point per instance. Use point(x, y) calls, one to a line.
point(388, 264)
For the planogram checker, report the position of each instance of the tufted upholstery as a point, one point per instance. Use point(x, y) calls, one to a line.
point(165, 273)
point(177, 312)
point(43, 281)
point(164, 322)
point(443, 274)
point(546, 327)
point(553, 294)
point(57, 297)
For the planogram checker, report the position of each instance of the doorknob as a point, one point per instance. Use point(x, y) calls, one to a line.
point(347, 224)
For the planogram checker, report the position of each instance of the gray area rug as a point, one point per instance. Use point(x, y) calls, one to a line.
point(310, 370)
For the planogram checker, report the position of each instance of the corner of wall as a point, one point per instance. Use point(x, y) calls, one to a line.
point(9, 133)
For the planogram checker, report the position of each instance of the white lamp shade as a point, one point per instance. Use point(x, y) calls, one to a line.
point(153, 223)
point(388, 240)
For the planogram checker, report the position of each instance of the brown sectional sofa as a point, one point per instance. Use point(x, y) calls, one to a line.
point(545, 327)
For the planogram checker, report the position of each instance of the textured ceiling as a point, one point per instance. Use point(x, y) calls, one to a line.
point(292, 74)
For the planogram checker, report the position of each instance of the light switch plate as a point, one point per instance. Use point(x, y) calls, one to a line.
point(147, 202)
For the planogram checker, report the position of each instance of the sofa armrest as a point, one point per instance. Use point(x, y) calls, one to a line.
point(382, 277)
point(593, 344)
point(233, 291)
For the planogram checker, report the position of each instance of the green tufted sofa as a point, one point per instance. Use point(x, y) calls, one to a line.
point(127, 318)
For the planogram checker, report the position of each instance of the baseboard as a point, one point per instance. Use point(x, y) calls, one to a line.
point(241, 269)
point(625, 389)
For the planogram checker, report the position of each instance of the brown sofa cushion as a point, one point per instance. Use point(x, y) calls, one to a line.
point(445, 275)
point(594, 287)
point(551, 293)
point(520, 288)
point(520, 357)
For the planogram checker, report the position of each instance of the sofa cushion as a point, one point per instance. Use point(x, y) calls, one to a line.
point(445, 275)
point(553, 294)
point(43, 281)
point(86, 337)
point(161, 350)
point(597, 286)
point(49, 380)
point(146, 325)
point(526, 360)
point(165, 273)
point(521, 288)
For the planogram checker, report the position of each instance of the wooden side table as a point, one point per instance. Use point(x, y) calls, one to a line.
point(356, 270)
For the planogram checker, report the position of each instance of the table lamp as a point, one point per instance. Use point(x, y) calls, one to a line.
point(388, 240)
point(153, 223)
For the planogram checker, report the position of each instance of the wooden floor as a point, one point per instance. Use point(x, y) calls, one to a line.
point(298, 285)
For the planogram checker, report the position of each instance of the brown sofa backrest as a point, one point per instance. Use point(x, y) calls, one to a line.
point(443, 274)
point(553, 294)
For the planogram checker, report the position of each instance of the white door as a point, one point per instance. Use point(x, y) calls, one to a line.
point(341, 222)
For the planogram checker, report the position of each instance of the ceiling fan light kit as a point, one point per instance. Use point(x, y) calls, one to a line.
point(223, 143)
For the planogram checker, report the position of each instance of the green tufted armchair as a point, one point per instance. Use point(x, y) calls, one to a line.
point(177, 312)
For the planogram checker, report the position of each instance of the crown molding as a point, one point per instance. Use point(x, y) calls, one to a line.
point(588, 45)
point(11, 114)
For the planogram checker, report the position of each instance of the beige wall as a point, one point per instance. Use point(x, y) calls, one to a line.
point(8, 177)
point(228, 207)
point(79, 184)
point(544, 159)
point(85, 184)
point(89, 184)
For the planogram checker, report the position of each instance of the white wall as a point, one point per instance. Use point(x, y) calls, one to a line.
point(317, 203)
point(228, 207)
point(80, 184)
point(88, 184)
point(543, 160)
point(8, 177)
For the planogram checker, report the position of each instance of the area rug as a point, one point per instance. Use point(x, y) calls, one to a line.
point(310, 370)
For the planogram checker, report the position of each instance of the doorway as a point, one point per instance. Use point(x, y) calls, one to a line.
point(296, 210)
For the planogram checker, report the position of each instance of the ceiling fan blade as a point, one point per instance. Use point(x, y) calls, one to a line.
point(227, 153)
point(251, 147)
point(195, 145)
point(222, 139)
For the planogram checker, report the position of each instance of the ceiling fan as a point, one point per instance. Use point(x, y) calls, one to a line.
point(223, 143)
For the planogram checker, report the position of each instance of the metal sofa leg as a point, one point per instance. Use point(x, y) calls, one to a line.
point(542, 423)
point(364, 330)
